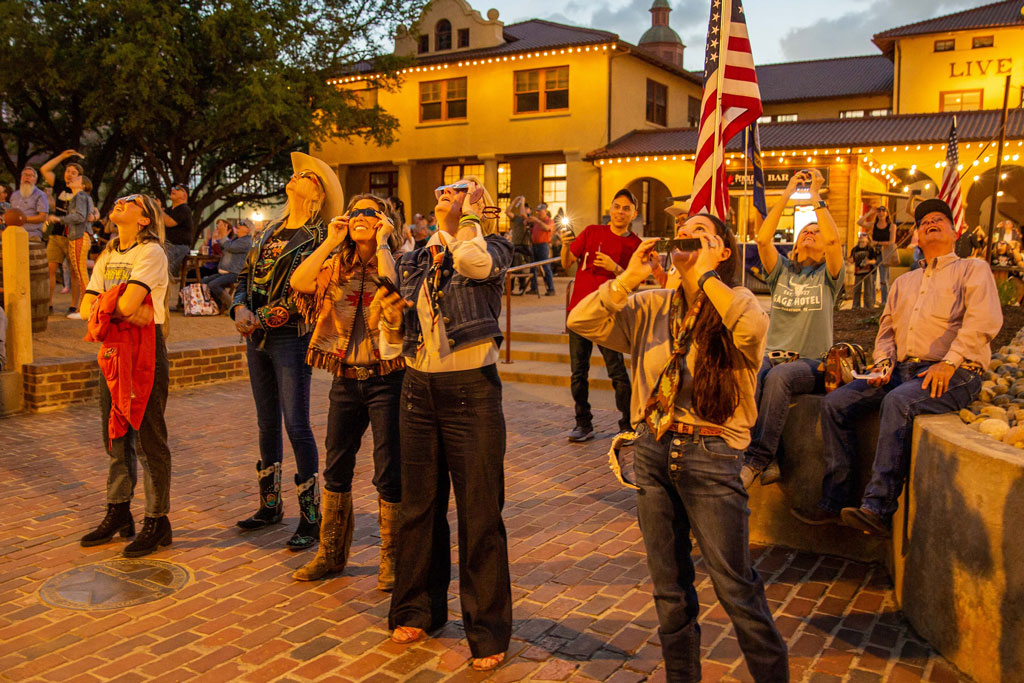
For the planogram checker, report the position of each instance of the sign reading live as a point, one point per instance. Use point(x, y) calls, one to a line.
point(774, 178)
point(981, 67)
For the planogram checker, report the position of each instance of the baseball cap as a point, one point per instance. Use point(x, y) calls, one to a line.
point(930, 206)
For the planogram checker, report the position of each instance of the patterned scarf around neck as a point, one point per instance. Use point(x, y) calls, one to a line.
point(660, 406)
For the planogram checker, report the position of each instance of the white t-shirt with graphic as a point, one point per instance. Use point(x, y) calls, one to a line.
point(802, 305)
point(144, 264)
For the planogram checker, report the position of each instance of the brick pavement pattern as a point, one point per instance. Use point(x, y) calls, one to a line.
point(583, 608)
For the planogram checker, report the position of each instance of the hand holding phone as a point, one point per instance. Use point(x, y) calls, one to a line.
point(385, 283)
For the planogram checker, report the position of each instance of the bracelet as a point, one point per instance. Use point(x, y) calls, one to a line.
point(706, 276)
point(383, 247)
point(950, 363)
point(388, 326)
point(621, 285)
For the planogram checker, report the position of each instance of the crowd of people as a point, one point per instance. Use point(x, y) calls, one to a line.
point(406, 320)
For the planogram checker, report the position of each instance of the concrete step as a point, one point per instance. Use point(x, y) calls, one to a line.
point(549, 353)
point(540, 372)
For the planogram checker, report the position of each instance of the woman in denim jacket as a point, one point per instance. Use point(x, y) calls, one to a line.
point(278, 337)
point(452, 425)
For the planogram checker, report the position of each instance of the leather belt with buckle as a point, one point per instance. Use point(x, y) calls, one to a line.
point(971, 366)
point(365, 372)
point(684, 428)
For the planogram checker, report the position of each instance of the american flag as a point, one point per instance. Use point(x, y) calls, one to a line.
point(949, 191)
point(731, 102)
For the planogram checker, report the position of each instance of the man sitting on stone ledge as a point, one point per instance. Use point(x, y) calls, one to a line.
point(932, 347)
point(804, 289)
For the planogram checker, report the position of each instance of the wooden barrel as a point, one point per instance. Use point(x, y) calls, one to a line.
point(39, 285)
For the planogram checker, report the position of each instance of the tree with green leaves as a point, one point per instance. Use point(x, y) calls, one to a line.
point(213, 95)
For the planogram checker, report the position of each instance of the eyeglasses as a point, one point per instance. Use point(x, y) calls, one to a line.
point(307, 174)
point(136, 199)
point(370, 213)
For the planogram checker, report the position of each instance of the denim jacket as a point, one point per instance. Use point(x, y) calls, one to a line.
point(76, 220)
point(470, 308)
point(302, 243)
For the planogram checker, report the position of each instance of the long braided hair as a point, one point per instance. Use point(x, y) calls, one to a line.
point(716, 393)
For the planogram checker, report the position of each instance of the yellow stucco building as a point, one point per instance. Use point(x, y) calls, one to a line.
point(568, 115)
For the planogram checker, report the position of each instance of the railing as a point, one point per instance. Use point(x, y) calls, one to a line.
point(518, 271)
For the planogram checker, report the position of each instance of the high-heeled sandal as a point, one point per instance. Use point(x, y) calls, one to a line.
point(488, 663)
point(403, 635)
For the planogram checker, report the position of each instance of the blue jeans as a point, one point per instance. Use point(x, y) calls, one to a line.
point(776, 387)
point(883, 283)
point(356, 405)
point(693, 484)
point(580, 350)
point(217, 284)
point(901, 400)
point(280, 386)
point(540, 253)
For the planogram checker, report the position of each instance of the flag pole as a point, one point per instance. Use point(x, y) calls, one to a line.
point(719, 148)
point(999, 168)
point(749, 202)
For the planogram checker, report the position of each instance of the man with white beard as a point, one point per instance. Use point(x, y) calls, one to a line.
point(32, 202)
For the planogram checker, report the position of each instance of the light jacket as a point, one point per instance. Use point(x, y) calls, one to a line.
point(76, 220)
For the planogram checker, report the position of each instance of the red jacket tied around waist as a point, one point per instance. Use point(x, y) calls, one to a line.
point(127, 360)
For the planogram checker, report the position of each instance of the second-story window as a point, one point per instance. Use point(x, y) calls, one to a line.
point(982, 41)
point(424, 45)
point(541, 89)
point(657, 103)
point(463, 37)
point(443, 35)
point(783, 118)
point(443, 100)
point(945, 45)
point(852, 114)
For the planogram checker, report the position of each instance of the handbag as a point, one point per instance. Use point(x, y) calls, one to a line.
point(197, 300)
point(841, 361)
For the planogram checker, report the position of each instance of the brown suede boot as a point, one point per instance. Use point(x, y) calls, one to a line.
point(388, 520)
point(335, 538)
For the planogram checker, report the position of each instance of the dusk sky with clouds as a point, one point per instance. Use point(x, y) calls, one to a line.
point(780, 30)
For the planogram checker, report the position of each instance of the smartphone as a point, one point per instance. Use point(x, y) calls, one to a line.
point(665, 245)
point(385, 283)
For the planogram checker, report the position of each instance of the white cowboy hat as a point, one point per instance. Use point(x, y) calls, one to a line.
point(334, 201)
point(680, 207)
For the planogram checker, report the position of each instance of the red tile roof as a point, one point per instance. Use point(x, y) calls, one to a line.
point(1006, 13)
point(910, 129)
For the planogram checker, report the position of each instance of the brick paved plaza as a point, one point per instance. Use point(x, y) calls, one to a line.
point(583, 609)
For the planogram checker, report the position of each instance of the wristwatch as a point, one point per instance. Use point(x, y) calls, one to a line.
point(822, 204)
point(704, 278)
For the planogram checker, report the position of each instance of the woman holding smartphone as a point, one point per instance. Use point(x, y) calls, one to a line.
point(333, 289)
point(694, 351)
point(452, 426)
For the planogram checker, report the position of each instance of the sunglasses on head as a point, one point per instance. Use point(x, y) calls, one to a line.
point(370, 213)
point(179, 187)
point(136, 199)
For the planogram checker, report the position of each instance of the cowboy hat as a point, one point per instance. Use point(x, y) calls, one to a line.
point(334, 196)
point(680, 206)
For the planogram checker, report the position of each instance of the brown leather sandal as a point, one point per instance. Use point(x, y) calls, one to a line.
point(404, 635)
point(488, 663)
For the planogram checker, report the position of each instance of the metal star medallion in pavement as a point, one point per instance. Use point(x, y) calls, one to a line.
point(113, 584)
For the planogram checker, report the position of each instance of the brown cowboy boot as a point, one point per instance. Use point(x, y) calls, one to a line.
point(335, 538)
point(388, 520)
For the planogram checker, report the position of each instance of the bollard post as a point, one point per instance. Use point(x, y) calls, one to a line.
point(17, 298)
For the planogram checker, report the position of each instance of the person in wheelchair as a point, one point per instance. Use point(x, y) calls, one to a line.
point(803, 288)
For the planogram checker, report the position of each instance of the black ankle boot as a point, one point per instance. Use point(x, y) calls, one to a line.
point(271, 508)
point(308, 531)
point(156, 531)
point(118, 519)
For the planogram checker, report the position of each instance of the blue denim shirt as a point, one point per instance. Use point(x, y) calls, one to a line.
point(470, 308)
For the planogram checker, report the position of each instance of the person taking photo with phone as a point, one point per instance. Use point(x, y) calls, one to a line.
point(694, 353)
point(803, 287)
point(882, 233)
point(602, 252)
point(333, 289)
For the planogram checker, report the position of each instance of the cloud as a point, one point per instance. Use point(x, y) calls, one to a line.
point(850, 33)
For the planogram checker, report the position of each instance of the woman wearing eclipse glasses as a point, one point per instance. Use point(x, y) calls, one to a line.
point(277, 340)
point(445, 320)
point(333, 289)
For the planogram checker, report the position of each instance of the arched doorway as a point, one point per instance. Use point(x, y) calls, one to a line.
point(653, 197)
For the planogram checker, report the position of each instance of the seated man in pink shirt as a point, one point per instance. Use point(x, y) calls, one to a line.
point(931, 350)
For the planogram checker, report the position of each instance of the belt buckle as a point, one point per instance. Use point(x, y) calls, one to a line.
point(362, 373)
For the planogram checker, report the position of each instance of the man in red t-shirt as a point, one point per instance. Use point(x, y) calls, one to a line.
point(603, 251)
